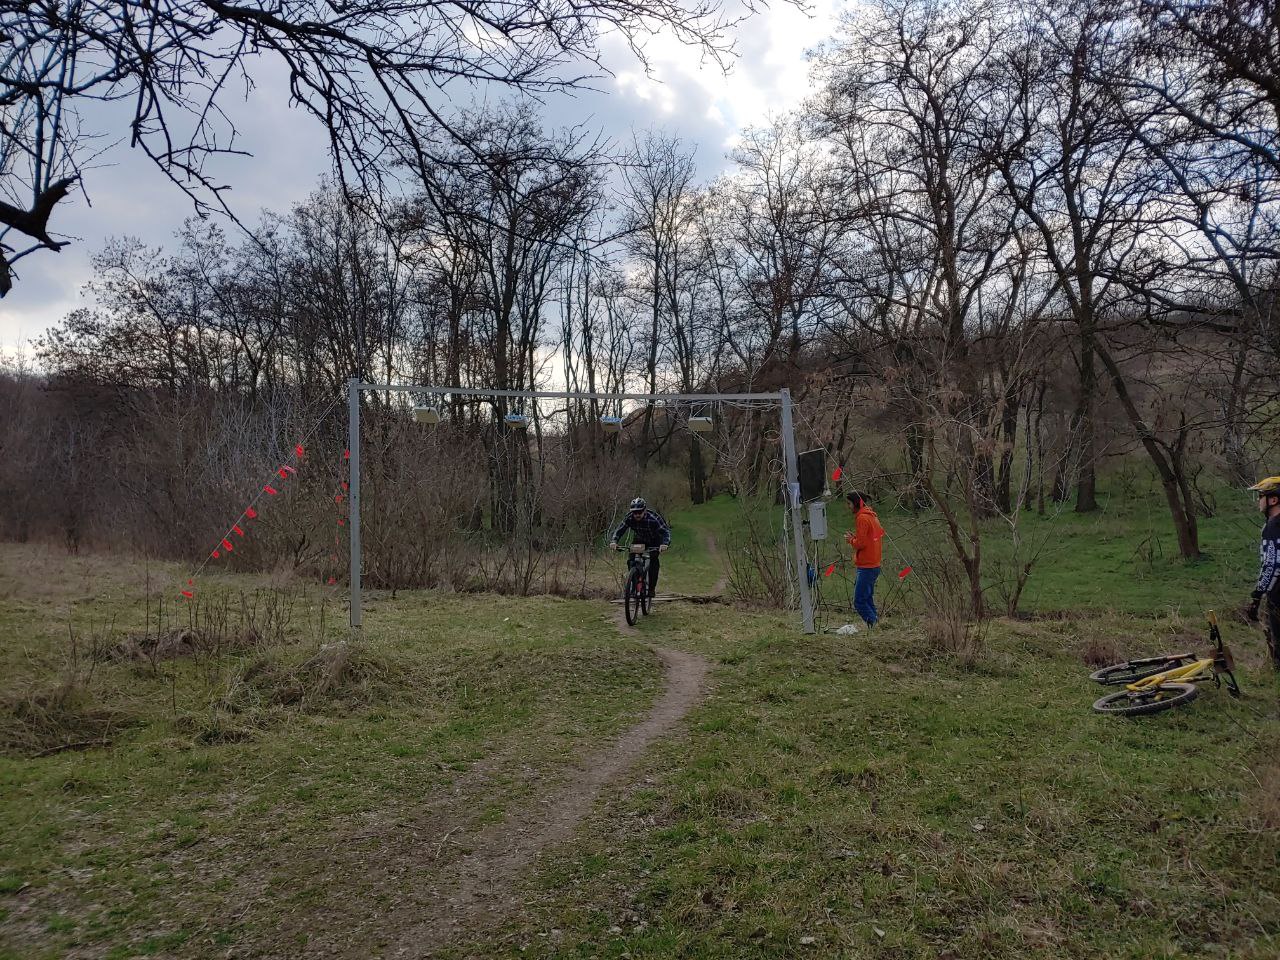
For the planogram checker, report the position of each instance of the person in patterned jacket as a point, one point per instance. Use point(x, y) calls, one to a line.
point(648, 528)
point(1268, 584)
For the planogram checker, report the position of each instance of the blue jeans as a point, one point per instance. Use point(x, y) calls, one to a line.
point(863, 594)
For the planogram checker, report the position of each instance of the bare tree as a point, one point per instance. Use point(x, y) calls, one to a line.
point(377, 74)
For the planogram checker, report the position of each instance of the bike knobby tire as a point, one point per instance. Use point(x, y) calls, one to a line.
point(630, 601)
point(1131, 671)
point(646, 598)
point(1164, 697)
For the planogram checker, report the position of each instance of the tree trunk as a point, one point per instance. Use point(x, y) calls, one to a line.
point(1177, 489)
point(697, 473)
point(1008, 437)
point(1086, 482)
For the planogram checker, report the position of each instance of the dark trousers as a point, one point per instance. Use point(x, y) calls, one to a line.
point(1272, 625)
point(653, 572)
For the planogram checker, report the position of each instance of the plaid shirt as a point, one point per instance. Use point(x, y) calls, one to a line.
point(651, 529)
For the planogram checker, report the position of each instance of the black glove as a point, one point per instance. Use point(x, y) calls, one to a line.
point(1252, 613)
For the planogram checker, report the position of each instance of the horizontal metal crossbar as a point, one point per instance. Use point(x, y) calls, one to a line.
point(568, 394)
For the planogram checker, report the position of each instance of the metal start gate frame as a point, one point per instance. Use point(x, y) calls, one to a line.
point(783, 398)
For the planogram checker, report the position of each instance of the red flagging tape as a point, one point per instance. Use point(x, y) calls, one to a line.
point(837, 473)
point(216, 554)
point(346, 454)
point(250, 512)
point(188, 594)
point(830, 570)
point(239, 531)
point(270, 489)
point(298, 450)
point(227, 545)
point(337, 498)
point(902, 574)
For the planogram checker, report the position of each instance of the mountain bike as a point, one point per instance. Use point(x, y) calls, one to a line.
point(635, 586)
point(1153, 684)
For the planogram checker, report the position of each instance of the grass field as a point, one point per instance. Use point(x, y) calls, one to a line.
point(856, 796)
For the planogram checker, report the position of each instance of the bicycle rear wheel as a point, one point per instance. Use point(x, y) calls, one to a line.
point(1131, 671)
point(1164, 697)
point(630, 602)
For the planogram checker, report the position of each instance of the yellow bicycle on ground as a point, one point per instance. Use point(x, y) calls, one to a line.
point(1160, 683)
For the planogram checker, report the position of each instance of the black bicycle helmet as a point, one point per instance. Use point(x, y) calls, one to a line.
point(638, 504)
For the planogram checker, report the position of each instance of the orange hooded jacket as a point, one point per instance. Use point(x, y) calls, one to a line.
point(866, 538)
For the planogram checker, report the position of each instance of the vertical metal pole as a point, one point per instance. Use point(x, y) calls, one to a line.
point(793, 504)
point(353, 495)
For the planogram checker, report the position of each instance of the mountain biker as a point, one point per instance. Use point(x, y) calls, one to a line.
point(1268, 584)
point(865, 541)
point(648, 528)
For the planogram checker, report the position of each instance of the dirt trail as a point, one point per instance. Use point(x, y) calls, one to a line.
point(480, 889)
point(722, 584)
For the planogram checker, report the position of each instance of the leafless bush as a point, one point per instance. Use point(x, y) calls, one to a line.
point(758, 571)
point(948, 625)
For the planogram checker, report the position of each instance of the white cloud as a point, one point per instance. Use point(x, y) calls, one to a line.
point(684, 93)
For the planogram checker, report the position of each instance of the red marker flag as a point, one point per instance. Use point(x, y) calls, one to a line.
point(238, 530)
point(337, 498)
point(250, 512)
point(837, 473)
point(188, 594)
point(227, 545)
point(346, 454)
point(902, 574)
point(830, 570)
point(332, 581)
point(270, 489)
point(216, 554)
point(298, 450)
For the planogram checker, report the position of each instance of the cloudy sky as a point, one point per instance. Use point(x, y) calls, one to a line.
point(695, 101)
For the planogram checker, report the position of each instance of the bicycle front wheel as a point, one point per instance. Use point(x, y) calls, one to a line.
point(1131, 671)
point(646, 598)
point(1164, 697)
point(630, 601)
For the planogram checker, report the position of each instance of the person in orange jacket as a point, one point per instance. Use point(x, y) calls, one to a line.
point(865, 540)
